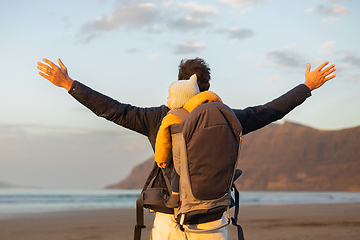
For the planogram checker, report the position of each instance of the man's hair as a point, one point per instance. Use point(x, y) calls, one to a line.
point(196, 66)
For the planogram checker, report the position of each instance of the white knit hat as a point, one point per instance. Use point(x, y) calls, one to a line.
point(182, 90)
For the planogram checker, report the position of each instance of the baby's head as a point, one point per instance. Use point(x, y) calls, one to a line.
point(181, 91)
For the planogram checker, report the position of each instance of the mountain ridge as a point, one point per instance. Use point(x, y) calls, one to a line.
point(288, 157)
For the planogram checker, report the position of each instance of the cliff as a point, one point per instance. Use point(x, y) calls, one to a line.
point(288, 157)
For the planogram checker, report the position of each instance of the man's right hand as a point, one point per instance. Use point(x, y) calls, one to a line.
point(57, 75)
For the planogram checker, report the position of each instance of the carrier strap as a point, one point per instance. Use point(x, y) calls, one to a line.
point(203, 230)
point(180, 113)
point(236, 213)
point(139, 217)
point(168, 184)
point(140, 207)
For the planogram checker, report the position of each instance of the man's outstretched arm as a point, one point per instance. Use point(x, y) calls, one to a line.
point(145, 121)
point(56, 75)
point(253, 118)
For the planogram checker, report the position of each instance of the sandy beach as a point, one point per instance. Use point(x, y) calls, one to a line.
point(311, 222)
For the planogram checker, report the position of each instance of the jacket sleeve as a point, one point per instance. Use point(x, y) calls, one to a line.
point(253, 118)
point(145, 121)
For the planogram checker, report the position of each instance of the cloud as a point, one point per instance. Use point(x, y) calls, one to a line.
point(354, 78)
point(331, 11)
point(132, 50)
point(271, 79)
point(241, 3)
point(328, 45)
point(286, 59)
point(152, 56)
point(246, 56)
point(327, 48)
point(89, 37)
point(165, 16)
point(190, 15)
point(237, 34)
point(102, 2)
point(189, 46)
point(344, 52)
point(167, 3)
point(133, 16)
point(267, 64)
point(350, 58)
point(290, 46)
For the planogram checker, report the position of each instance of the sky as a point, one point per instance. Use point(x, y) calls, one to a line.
point(130, 51)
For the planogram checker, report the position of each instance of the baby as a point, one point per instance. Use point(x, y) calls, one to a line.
point(182, 94)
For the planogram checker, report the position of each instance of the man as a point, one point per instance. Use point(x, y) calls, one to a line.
point(147, 121)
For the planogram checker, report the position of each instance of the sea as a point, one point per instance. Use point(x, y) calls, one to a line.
point(18, 201)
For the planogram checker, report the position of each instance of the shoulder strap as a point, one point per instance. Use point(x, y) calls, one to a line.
point(180, 113)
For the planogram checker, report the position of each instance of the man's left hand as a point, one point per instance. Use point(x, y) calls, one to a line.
point(319, 76)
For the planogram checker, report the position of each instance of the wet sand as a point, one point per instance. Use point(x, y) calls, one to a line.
point(311, 222)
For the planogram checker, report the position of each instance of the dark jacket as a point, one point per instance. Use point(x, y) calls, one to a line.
point(147, 121)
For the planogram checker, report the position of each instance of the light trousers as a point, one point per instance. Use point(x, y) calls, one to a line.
point(166, 228)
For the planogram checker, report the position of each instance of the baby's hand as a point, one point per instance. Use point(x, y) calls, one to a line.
point(161, 165)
